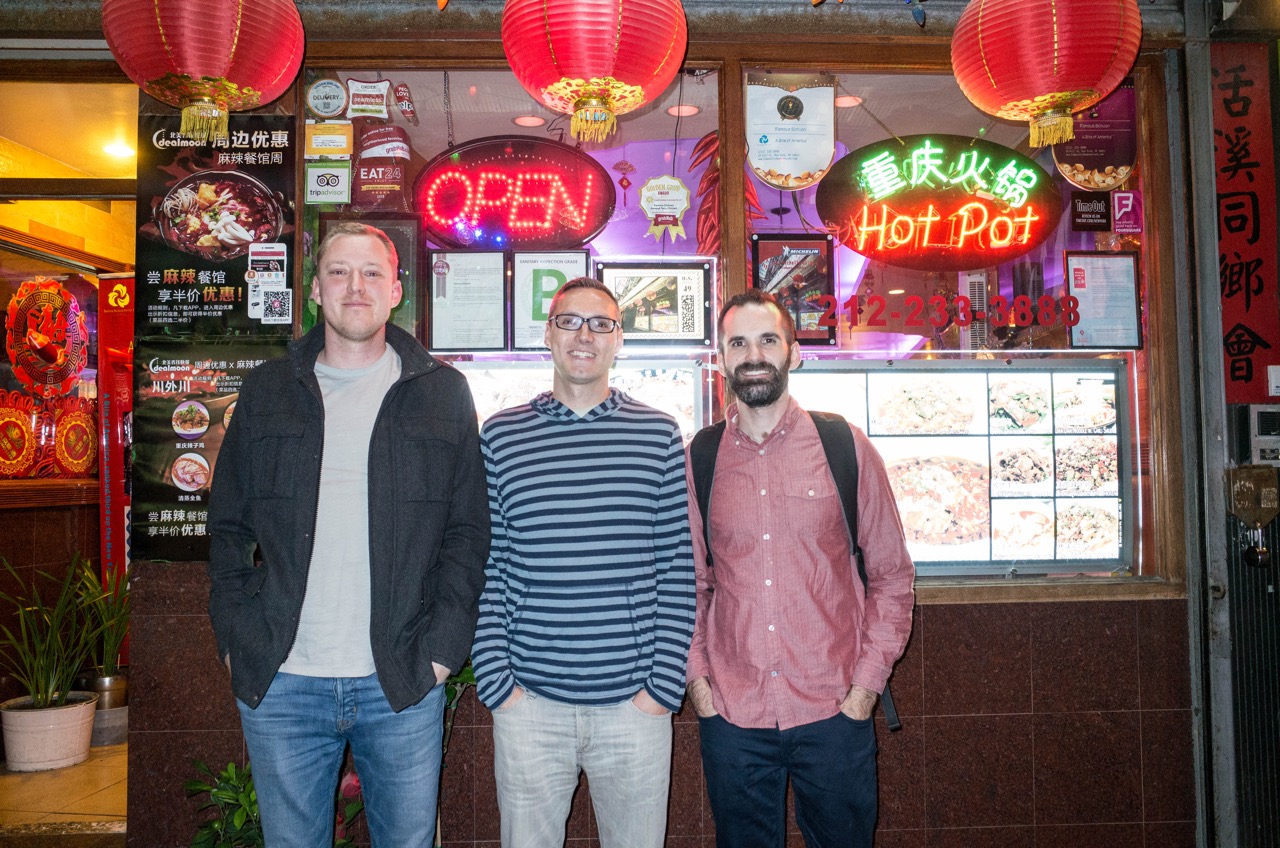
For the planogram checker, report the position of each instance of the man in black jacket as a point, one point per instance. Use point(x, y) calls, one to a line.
point(353, 466)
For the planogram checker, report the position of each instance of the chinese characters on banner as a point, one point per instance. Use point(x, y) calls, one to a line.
point(215, 229)
point(1247, 259)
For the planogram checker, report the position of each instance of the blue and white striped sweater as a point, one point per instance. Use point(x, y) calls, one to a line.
point(589, 592)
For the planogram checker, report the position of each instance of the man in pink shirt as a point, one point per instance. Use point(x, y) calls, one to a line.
point(789, 652)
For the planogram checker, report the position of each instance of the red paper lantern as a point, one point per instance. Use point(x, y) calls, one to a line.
point(207, 57)
point(594, 59)
point(1042, 60)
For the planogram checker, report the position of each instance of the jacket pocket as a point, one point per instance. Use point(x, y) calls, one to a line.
point(426, 452)
point(277, 454)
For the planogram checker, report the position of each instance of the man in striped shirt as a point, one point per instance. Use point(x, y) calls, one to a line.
point(588, 606)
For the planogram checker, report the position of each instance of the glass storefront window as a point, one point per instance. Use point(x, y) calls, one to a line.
point(671, 138)
point(1015, 441)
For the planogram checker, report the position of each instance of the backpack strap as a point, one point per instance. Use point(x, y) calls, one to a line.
point(842, 459)
point(702, 457)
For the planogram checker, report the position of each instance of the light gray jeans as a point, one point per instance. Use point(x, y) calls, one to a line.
point(539, 748)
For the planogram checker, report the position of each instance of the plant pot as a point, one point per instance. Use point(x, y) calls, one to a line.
point(110, 727)
point(50, 738)
point(112, 691)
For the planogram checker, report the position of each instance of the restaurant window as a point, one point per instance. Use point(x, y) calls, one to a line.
point(66, 162)
point(492, 205)
point(977, 306)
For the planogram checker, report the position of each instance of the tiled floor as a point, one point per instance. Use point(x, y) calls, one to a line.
point(46, 808)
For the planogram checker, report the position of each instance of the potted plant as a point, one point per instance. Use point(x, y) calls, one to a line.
point(44, 648)
point(108, 605)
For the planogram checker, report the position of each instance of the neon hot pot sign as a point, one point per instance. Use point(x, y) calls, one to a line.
point(514, 192)
point(939, 202)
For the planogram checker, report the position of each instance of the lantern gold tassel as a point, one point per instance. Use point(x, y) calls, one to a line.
point(204, 120)
point(593, 120)
point(1053, 127)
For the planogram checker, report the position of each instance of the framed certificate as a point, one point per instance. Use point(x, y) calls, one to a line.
point(662, 303)
point(1102, 291)
point(536, 276)
point(796, 268)
point(466, 300)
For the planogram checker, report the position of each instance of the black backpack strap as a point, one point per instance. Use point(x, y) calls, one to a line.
point(702, 457)
point(842, 459)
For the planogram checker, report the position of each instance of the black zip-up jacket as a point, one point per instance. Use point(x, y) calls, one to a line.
point(428, 520)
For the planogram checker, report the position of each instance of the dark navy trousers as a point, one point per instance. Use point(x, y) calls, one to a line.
point(832, 767)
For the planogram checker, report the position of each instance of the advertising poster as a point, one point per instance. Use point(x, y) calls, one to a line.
point(1104, 151)
point(205, 213)
point(790, 128)
point(186, 398)
point(1243, 152)
point(796, 269)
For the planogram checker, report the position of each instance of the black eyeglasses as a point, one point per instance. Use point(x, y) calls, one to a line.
point(598, 324)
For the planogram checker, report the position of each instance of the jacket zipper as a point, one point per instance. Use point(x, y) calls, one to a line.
point(315, 516)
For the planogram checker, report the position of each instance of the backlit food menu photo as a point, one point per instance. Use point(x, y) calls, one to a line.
point(1009, 465)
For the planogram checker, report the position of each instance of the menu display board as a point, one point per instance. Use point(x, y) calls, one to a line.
point(994, 467)
point(675, 387)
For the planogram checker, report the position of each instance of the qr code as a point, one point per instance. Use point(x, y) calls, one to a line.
point(277, 306)
point(688, 314)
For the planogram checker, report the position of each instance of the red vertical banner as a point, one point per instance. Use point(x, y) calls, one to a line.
point(1244, 162)
point(115, 409)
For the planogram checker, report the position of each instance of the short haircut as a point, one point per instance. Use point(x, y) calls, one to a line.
point(355, 228)
point(583, 283)
point(756, 297)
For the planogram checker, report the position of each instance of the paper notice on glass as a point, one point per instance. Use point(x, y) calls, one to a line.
point(790, 128)
point(1105, 289)
point(468, 301)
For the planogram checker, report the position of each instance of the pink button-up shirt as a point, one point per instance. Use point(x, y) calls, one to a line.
point(783, 625)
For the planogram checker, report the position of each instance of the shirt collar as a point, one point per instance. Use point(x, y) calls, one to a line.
point(785, 424)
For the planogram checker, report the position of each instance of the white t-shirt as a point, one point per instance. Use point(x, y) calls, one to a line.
point(333, 632)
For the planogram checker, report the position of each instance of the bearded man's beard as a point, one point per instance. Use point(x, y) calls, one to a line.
point(756, 392)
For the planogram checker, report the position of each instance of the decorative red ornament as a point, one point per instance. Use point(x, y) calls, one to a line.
point(594, 59)
point(1042, 60)
point(206, 57)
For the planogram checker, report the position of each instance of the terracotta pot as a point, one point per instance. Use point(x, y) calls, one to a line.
point(38, 740)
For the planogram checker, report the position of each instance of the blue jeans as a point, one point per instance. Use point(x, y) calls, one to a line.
point(541, 745)
point(296, 738)
point(832, 766)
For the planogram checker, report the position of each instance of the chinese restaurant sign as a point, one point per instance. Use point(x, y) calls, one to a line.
point(186, 397)
point(513, 193)
point(215, 229)
point(939, 202)
point(1247, 260)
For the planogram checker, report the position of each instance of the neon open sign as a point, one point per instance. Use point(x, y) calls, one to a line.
point(513, 192)
point(939, 202)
